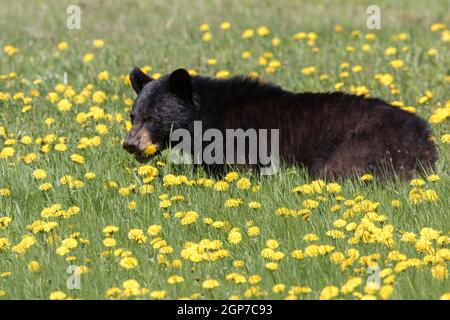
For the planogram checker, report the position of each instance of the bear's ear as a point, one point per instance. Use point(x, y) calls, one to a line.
point(180, 84)
point(138, 79)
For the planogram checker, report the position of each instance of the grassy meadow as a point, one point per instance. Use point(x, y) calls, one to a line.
point(74, 205)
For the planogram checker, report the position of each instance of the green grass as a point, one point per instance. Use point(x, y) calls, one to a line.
point(165, 36)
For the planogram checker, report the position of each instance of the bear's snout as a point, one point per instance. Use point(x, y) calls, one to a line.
point(137, 139)
point(130, 145)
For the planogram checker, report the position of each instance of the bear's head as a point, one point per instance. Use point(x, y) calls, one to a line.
point(161, 106)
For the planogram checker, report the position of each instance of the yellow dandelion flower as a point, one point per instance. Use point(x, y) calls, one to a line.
point(77, 158)
point(63, 45)
point(254, 205)
point(248, 33)
point(210, 284)
point(397, 63)
point(329, 292)
point(88, 57)
point(207, 36)
point(234, 237)
point(57, 295)
point(128, 262)
point(263, 31)
point(34, 266)
point(272, 266)
point(98, 43)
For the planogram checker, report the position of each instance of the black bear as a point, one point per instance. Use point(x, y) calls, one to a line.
point(330, 134)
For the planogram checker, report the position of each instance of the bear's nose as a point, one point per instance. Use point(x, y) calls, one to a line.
point(131, 147)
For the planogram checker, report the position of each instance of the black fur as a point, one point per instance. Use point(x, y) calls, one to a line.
point(334, 134)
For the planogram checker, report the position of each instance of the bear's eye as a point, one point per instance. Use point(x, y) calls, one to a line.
point(132, 118)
